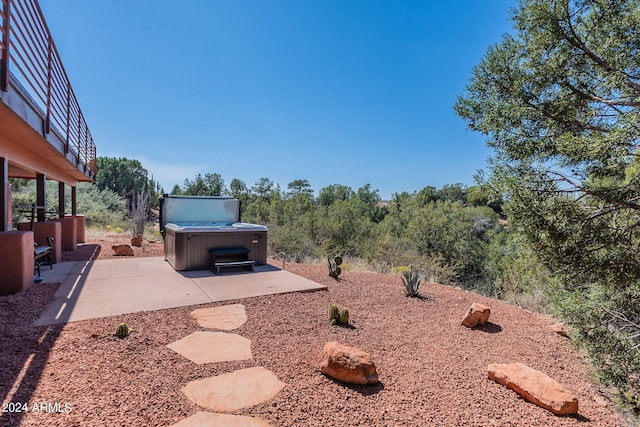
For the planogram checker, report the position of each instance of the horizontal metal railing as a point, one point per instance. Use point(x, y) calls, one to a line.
point(29, 54)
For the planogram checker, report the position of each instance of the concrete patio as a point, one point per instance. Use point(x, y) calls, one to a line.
point(93, 289)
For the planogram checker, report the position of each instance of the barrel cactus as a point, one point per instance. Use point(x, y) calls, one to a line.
point(343, 316)
point(334, 267)
point(334, 312)
point(122, 330)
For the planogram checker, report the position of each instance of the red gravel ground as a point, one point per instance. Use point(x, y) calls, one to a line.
point(433, 371)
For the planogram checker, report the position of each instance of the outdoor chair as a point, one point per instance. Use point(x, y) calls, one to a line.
point(43, 255)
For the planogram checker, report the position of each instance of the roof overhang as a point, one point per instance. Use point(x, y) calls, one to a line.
point(29, 149)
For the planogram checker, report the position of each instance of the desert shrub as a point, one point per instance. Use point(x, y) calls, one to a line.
point(294, 241)
point(517, 274)
point(152, 232)
point(101, 207)
point(341, 228)
point(606, 323)
point(448, 241)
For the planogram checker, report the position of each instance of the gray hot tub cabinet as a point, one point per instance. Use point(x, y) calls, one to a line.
point(192, 225)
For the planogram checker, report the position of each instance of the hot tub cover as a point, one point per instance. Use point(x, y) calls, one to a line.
point(198, 210)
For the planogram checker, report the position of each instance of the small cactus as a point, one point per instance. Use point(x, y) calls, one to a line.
point(338, 316)
point(334, 267)
point(122, 330)
point(343, 316)
point(334, 312)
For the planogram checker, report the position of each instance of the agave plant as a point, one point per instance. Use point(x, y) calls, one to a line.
point(412, 282)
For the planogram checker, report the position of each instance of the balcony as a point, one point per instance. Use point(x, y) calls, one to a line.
point(42, 126)
point(43, 133)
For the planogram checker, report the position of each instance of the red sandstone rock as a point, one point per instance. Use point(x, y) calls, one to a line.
point(478, 314)
point(137, 240)
point(535, 386)
point(122, 250)
point(347, 364)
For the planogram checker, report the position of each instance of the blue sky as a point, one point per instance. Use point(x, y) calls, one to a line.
point(336, 92)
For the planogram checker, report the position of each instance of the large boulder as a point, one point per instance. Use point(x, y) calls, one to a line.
point(347, 364)
point(478, 314)
point(535, 386)
point(137, 240)
point(122, 250)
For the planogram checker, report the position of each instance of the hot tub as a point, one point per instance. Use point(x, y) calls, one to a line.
point(192, 225)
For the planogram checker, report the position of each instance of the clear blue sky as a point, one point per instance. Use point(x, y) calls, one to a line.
point(334, 91)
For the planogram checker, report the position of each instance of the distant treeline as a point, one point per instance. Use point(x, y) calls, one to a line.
point(453, 235)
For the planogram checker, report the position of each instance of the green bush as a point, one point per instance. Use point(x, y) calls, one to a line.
point(606, 323)
point(294, 241)
point(100, 207)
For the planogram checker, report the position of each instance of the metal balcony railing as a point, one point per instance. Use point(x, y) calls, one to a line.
point(29, 55)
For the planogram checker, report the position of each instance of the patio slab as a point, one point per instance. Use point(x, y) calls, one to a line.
point(245, 284)
point(111, 287)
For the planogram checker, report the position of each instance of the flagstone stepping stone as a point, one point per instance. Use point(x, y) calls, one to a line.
point(234, 390)
point(208, 347)
point(200, 419)
point(226, 317)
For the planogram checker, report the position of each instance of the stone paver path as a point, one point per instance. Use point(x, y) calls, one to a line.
point(226, 317)
point(234, 390)
point(230, 391)
point(200, 419)
point(209, 347)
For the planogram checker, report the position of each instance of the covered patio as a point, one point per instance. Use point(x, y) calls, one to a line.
point(43, 136)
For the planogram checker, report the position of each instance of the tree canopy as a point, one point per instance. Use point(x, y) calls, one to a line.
point(559, 103)
point(126, 177)
point(121, 175)
point(211, 184)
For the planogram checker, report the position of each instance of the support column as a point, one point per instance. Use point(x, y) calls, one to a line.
point(41, 196)
point(73, 200)
point(5, 219)
point(4, 194)
point(16, 262)
point(80, 224)
point(61, 210)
